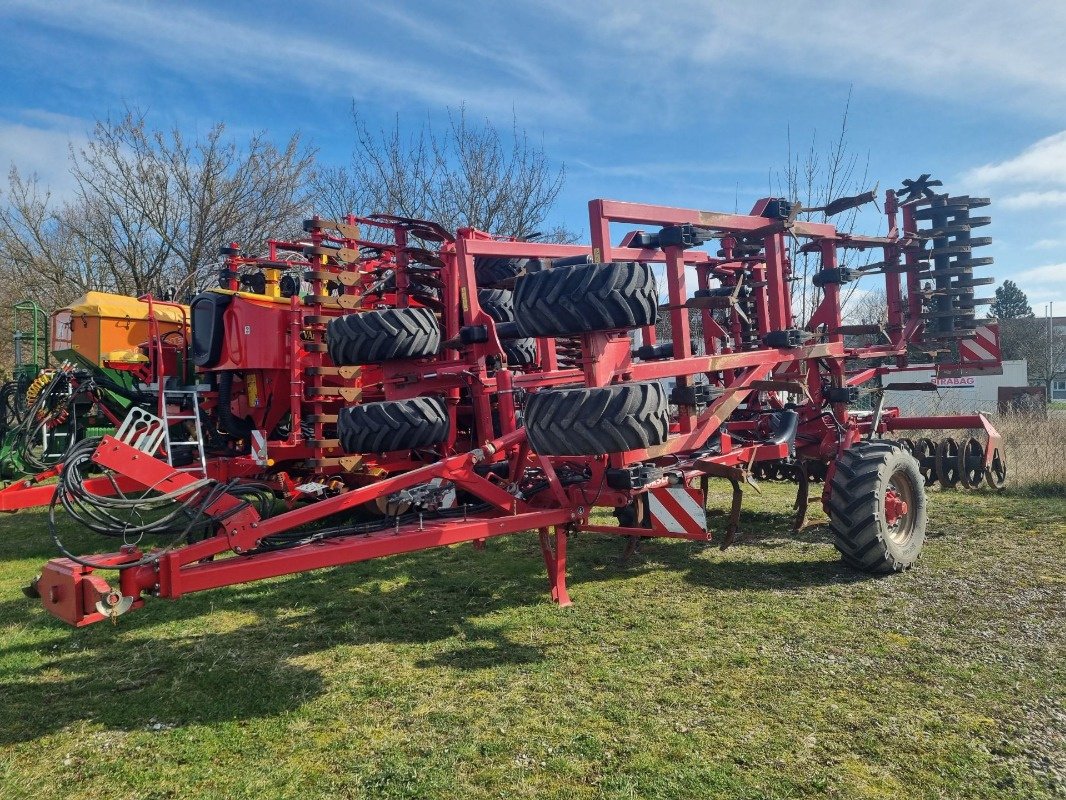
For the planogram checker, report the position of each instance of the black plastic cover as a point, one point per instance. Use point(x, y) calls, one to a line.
point(206, 312)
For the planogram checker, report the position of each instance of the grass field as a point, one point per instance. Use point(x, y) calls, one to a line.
point(766, 671)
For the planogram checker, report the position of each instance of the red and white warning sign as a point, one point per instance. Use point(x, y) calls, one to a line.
point(678, 509)
point(983, 346)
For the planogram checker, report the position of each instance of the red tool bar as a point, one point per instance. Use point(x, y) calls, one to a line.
point(620, 211)
point(350, 549)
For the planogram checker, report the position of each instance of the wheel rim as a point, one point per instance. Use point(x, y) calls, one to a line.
point(971, 463)
point(996, 472)
point(898, 508)
point(947, 463)
point(925, 452)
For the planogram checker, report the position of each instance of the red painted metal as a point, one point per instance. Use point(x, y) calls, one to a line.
point(488, 461)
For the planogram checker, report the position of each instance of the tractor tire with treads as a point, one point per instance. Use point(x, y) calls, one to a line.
point(492, 271)
point(386, 335)
point(499, 304)
point(871, 531)
point(584, 298)
point(590, 422)
point(393, 425)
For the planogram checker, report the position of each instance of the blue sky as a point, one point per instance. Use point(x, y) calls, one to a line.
point(684, 103)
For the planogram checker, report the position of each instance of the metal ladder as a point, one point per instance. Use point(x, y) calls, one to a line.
point(169, 418)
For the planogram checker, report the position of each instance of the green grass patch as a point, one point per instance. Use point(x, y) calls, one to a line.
point(767, 671)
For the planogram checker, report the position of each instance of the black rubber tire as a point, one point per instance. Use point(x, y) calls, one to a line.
point(592, 422)
point(490, 271)
point(520, 352)
point(589, 297)
point(386, 335)
point(393, 425)
point(499, 304)
point(857, 521)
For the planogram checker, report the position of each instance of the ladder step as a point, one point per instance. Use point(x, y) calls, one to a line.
point(326, 418)
point(183, 444)
point(324, 444)
point(170, 417)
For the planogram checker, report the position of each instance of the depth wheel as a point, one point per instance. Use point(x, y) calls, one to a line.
point(877, 512)
point(499, 304)
point(491, 271)
point(393, 425)
point(592, 422)
point(372, 336)
point(584, 298)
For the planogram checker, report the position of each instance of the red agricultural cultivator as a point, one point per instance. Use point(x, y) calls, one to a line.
point(360, 397)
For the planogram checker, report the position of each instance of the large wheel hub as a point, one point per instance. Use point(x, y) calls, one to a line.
point(895, 507)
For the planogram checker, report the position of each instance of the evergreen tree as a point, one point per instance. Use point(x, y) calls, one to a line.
point(1010, 303)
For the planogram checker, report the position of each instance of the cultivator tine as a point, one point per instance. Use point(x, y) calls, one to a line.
point(734, 514)
point(803, 495)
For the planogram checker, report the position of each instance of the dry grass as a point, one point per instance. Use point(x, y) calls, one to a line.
point(1035, 445)
point(1036, 448)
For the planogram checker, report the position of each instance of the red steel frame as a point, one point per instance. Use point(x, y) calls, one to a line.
point(743, 377)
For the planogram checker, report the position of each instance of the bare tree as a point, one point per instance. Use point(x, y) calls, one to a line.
point(815, 177)
point(149, 210)
point(40, 259)
point(467, 175)
point(154, 207)
point(1040, 342)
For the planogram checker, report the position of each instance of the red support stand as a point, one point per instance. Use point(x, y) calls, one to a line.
point(555, 561)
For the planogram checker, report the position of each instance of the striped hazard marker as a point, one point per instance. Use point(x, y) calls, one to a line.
point(678, 509)
point(984, 346)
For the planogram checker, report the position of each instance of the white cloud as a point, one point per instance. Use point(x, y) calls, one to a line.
point(1050, 273)
point(1041, 164)
point(1042, 285)
point(966, 56)
point(1047, 244)
point(200, 44)
point(1030, 200)
point(40, 146)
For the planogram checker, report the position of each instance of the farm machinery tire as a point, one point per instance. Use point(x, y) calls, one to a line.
point(591, 422)
point(587, 297)
point(392, 425)
point(490, 271)
point(385, 335)
point(499, 304)
point(877, 511)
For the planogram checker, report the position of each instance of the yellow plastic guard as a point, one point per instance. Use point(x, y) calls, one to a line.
point(126, 357)
point(117, 306)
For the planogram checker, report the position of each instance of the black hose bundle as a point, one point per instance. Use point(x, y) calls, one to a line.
point(179, 515)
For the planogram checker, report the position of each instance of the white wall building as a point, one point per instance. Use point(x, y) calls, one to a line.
point(954, 395)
